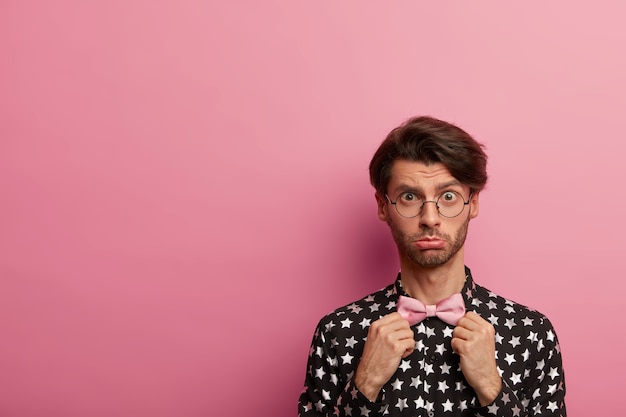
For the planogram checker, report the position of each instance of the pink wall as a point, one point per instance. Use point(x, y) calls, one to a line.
point(184, 188)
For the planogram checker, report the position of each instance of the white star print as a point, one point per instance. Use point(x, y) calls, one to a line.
point(516, 378)
point(374, 307)
point(347, 358)
point(552, 406)
point(428, 368)
point(445, 369)
point(419, 403)
point(319, 351)
point(415, 382)
point(351, 342)
point(447, 406)
point(463, 405)
point(510, 323)
point(329, 326)
point(553, 373)
point(354, 308)
point(509, 358)
point(319, 373)
point(405, 365)
point(319, 405)
point(442, 386)
point(515, 341)
point(540, 344)
point(540, 364)
point(401, 404)
point(346, 323)
point(364, 411)
point(419, 345)
point(365, 322)
point(397, 384)
point(527, 321)
point(334, 379)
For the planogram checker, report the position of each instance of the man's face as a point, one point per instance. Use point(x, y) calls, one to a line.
point(429, 239)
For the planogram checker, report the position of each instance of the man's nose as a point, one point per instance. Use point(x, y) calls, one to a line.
point(429, 216)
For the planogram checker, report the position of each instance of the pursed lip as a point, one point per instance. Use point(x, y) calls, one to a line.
point(430, 243)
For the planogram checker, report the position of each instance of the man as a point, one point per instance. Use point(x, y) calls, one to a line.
point(434, 343)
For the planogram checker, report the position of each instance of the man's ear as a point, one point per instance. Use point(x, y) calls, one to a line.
point(474, 205)
point(383, 213)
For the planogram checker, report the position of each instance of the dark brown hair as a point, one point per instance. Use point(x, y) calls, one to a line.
point(429, 140)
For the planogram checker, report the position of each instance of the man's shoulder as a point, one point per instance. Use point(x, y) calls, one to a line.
point(491, 303)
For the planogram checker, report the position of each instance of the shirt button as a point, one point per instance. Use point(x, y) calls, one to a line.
point(431, 413)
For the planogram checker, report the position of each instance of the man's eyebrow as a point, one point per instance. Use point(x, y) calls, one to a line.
point(420, 190)
point(448, 184)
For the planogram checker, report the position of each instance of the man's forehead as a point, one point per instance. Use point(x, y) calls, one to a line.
point(416, 171)
point(418, 175)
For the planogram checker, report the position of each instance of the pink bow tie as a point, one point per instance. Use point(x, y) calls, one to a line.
point(449, 310)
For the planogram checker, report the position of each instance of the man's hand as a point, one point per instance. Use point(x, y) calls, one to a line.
point(389, 339)
point(474, 340)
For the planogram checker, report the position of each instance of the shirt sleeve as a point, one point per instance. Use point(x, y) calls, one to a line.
point(543, 394)
point(329, 390)
point(506, 404)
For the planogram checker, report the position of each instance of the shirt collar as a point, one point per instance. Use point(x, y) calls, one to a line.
point(467, 292)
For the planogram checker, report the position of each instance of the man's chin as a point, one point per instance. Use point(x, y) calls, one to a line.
point(430, 261)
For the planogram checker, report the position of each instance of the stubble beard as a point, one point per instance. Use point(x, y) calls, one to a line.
point(431, 258)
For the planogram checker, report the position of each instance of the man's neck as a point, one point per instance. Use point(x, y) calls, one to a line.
point(432, 284)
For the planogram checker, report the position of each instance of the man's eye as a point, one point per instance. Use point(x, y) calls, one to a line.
point(409, 197)
point(448, 196)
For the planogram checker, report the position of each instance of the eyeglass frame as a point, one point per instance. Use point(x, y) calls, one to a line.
point(465, 203)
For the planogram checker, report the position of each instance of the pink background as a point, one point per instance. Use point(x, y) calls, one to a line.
point(184, 188)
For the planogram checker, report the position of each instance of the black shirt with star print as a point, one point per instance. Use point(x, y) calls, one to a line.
point(429, 382)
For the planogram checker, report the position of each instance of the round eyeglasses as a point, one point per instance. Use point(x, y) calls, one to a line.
point(449, 204)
